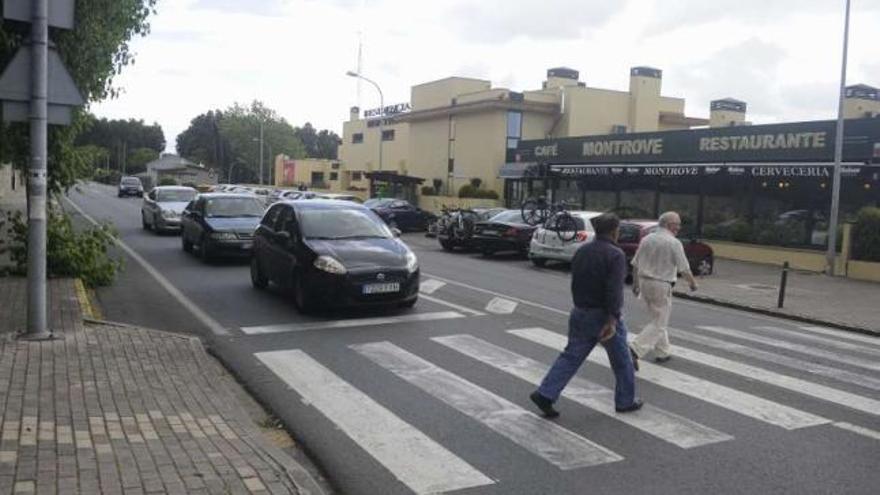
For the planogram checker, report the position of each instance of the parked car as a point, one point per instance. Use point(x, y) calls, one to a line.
point(400, 214)
point(339, 197)
point(455, 229)
point(506, 231)
point(333, 253)
point(547, 244)
point(130, 186)
point(163, 206)
point(699, 254)
point(221, 224)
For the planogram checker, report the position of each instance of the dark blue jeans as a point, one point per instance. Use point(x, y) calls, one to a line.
point(583, 335)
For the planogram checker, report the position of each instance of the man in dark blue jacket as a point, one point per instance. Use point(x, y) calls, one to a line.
point(598, 271)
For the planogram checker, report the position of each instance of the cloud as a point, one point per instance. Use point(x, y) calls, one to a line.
point(497, 21)
point(253, 7)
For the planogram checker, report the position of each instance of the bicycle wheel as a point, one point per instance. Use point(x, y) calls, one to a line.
point(532, 213)
point(565, 226)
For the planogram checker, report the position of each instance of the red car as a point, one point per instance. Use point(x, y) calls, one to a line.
point(699, 254)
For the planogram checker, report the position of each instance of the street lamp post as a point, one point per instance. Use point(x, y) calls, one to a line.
point(271, 165)
point(838, 155)
point(381, 109)
point(261, 152)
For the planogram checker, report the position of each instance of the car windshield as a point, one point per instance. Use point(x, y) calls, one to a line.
point(341, 223)
point(233, 207)
point(378, 202)
point(629, 233)
point(131, 181)
point(175, 195)
point(509, 216)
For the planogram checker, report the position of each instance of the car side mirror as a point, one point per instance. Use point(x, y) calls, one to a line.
point(396, 232)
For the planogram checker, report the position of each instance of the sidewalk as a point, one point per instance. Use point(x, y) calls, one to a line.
point(810, 297)
point(112, 409)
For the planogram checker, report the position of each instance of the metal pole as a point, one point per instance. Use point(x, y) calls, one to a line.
point(261, 152)
point(838, 155)
point(37, 326)
point(381, 108)
point(271, 166)
point(782, 283)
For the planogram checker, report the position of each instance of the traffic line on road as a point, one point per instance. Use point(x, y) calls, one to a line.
point(861, 430)
point(166, 284)
point(725, 397)
point(412, 457)
point(775, 358)
point(498, 294)
point(553, 443)
point(842, 334)
point(430, 286)
point(839, 342)
point(665, 425)
point(459, 307)
point(501, 306)
point(354, 322)
point(873, 365)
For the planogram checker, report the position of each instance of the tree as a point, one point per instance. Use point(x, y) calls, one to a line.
point(138, 160)
point(323, 144)
point(122, 139)
point(94, 52)
point(201, 142)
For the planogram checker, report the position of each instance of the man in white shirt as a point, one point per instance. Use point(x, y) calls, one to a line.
point(656, 265)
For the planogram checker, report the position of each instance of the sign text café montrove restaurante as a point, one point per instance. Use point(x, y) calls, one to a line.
point(768, 184)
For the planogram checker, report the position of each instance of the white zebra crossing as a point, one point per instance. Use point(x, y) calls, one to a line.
point(873, 340)
point(662, 424)
point(705, 390)
point(412, 457)
point(840, 342)
point(553, 443)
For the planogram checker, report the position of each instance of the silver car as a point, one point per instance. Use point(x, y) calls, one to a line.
point(163, 205)
point(546, 243)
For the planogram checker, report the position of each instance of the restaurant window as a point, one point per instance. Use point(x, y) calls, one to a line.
point(356, 176)
point(388, 135)
point(568, 191)
point(357, 138)
point(514, 129)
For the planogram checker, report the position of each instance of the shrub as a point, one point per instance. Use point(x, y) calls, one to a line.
point(486, 194)
point(68, 253)
point(866, 235)
point(476, 182)
point(438, 185)
point(167, 181)
point(428, 191)
point(467, 191)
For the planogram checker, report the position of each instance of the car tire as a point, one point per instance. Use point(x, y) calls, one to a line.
point(487, 252)
point(258, 278)
point(185, 244)
point(539, 262)
point(301, 300)
point(704, 267)
point(410, 303)
point(446, 245)
point(144, 223)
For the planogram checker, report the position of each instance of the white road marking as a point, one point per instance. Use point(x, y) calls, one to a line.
point(662, 424)
point(430, 286)
point(711, 392)
point(354, 322)
point(416, 460)
point(498, 294)
point(459, 307)
point(166, 284)
point(555, 444)
point(810, 350)
point(839, 342)
point(501, 306)
point(843, 334)
point(861, 430)
point(772, 357)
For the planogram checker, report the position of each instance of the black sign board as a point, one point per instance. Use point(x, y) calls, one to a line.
point(757, 170)
point(796, 142)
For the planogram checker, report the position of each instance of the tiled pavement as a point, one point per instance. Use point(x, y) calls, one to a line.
point(107, 409)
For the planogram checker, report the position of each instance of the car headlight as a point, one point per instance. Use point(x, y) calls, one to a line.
point(223, 236)
point(412, 263)
point(169, 214)
point(330, 265)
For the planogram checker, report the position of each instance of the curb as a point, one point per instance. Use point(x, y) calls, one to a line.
point(777, 314)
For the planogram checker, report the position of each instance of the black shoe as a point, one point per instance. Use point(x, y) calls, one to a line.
point(635, 359)
point(662, 359)
point(544, 405)
point(635, 406)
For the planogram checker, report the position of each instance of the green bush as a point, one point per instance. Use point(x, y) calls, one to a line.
point(487, 194)
point(428, 191)
point(866, 235)
point(167, 181)
point(466, 191)
point(107, 176)
point(68, 253)
point(476, 182)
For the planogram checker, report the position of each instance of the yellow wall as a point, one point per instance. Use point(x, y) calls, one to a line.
point(863, 270)
point(435, 204)
point(436, 94)
point(644, 105)
point(855, 108)
point(480, 148)
point(800, 259)
point(428, 142)
point(723, 118)
point(590, 111)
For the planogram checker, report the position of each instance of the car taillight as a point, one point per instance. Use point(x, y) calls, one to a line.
point(582, 236)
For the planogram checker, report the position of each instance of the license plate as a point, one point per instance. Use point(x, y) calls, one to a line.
point(491, 233)
point(247, 245)
point(382, 288)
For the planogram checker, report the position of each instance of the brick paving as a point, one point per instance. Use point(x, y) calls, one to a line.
point(116, 410)
point(832, 300)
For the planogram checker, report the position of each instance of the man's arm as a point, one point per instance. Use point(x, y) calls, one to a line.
point(684, 267)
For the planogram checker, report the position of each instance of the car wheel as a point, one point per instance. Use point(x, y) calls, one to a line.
point(705, 266)
point(144, 223)
point(301, 300)
point(446, 245)
point(185, 244)
point(487, 252)
point(258, 279)
point(539, 262)
point(409, 304)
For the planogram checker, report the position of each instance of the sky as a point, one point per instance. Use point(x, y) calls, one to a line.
point(780, 56)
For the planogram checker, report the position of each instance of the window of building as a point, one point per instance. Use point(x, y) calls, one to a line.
point(334, 175)
point(388, 135)
point(514, 129)
point(357, 138)
point(334, 165)
point(356, 176)
point(317, 178)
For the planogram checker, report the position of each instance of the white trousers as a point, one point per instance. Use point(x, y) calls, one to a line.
point(654, 337)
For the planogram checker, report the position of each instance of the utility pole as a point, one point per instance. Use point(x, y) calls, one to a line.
point(261, 152)
point(381, 109)
point(831, 253)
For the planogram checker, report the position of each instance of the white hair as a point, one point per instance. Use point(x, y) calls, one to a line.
point(667, 218)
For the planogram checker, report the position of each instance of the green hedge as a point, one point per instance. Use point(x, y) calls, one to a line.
point(866, 235)
point(469, 191)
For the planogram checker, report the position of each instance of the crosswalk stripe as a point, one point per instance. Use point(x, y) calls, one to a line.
point(873, 365)
point(430, 285)
point(861, 430)
point(842, 334)
point(837, 343)
point(354, 322)
point(772, 357)
point(662, 424)
point(458, 307)
point(501, 306)
point(711, 392)
point(555, 444)
point(416, 460)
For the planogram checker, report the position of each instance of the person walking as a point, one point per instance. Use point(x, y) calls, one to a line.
point(658, 261)
point(598, 271)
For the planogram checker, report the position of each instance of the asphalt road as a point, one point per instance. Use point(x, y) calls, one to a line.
point(435, 399)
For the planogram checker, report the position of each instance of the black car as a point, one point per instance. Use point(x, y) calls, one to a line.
point(505, 231)
point(400, 214)
point(130, 186)
point(333, 253)
point(455, 229)
point(221, 224)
